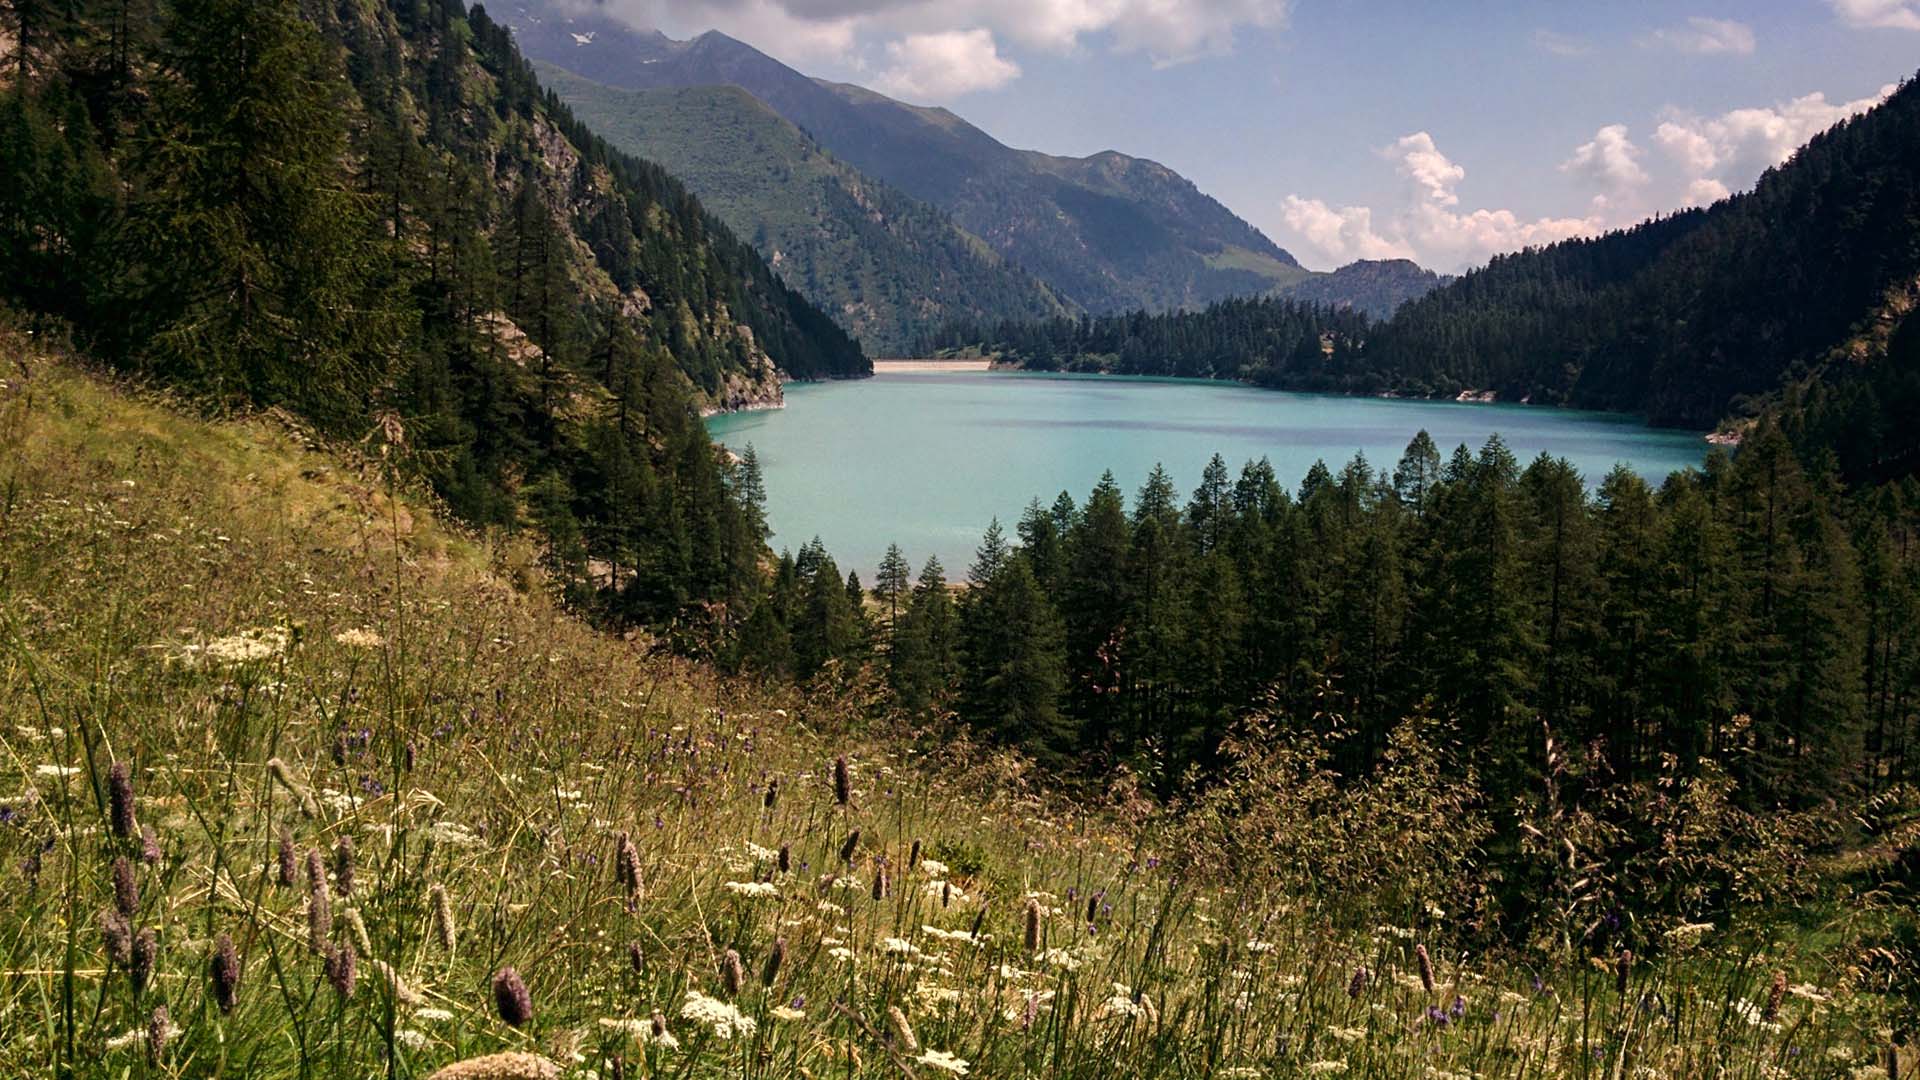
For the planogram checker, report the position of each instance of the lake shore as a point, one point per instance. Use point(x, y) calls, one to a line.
point(913, 367)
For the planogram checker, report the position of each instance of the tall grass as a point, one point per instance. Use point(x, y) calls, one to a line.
point(562, 848)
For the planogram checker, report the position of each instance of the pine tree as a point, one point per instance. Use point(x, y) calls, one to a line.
point(254, 256)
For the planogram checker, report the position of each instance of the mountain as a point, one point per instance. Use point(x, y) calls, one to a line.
point(1804, 279)
point(1107, 232)
point(887, 266)
point(373, 218)
point(1376, 287)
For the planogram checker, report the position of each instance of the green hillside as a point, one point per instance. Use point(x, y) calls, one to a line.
point(886, 266)
point(299, 780)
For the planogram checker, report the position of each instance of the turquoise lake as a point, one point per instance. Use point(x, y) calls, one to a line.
point(926, 460)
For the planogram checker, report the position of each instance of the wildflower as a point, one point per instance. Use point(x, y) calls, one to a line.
point(510, 997)
point(149, 845)
point(343, 970)
point(1347, 1034)
point(432, 1016)
point(732, 975)
point(512, 1065)
point(1032, 939)
point(787, 1013)
point(443, 928)
point(1776, 991)
point(851, 846)
point(145, 951)
point(120, 800)
point(946, 894)
point(126, 888)
point(898, 947)
point(785, 860)
point(636, 957)
point(1326, 1068)
point(772, 796)
point(1687, 933)
point(913, 857)
point(358, 928)
point(118, 935)
point(159, 1030)
point(776, 956)
point(980, 918)
point(319, 907)
point(626, 866)
point(248, 645)
point(1122, 1004)
point(722, 1019)
point(360, 638)
point(397, 986)
point(842, 781)
point(753, 890)
point(934, 868)
point(1358, 984)
point(279, 771)
point(943, 1061)
point(343, 865)
point(902, 1031)
point(1426, 967)
point(55, 772)
point(284, 850)
point(224, 969)
point(880, 885)
point(410, 1038)
point(1622, 970)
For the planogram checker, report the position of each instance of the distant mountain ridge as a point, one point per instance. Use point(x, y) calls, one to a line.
point(1376, 287)
point(887, 266)
point(1107, 232)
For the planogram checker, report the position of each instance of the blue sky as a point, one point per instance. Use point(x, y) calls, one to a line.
point(1344, 128)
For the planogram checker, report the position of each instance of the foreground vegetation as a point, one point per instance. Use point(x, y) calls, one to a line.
point(295, 775)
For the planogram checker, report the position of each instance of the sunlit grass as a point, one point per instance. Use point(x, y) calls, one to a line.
point(200, 600)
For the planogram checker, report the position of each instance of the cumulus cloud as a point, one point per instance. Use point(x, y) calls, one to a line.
point(1430, 227)
point(1432, 173)
point(1879, 14)
point(1706, 192)
point(944, 64)
point(1609, 161)
point(1704, 37)
point(850, 32)
point(1342, 234)
point(1735, 147)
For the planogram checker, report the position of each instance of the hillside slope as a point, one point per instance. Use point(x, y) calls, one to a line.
point(373, 216)
point(885, 265)
point(299, 778)
point(1684, 317)
point(1374, 287)
point(1107, 233)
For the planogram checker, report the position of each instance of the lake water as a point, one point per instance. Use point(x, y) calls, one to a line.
point(926, 460)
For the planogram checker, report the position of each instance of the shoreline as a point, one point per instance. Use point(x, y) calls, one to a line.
point(921, 367)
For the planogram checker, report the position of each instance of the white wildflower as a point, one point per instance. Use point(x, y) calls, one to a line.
point(753, 890)
point(410, 1038)
point(898, 947)
point(54, 772)
point(360, 638)
point(1326, 1068)
point(432, 1016)
point(725, 1020)
point(787, 1013)
point(1347, 1034)
point(934, 868)
point(945, 1062)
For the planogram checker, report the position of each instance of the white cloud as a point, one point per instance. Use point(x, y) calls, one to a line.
point(1341, 234)
point(1736, 146)
point(944, 64)
point(1429, 227)
point(1609, 160)
point(1706, 192)
point(1704, 37)
point(1420, 161)
point(848, 31)
point(1879, 14)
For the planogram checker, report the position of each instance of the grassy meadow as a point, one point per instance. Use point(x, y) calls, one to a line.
point(297, 780)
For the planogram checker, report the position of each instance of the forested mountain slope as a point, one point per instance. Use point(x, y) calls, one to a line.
point(887, 266)
point(1683, 317)
point(1107, 232)
point(372, 215)
point(1375, 287)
